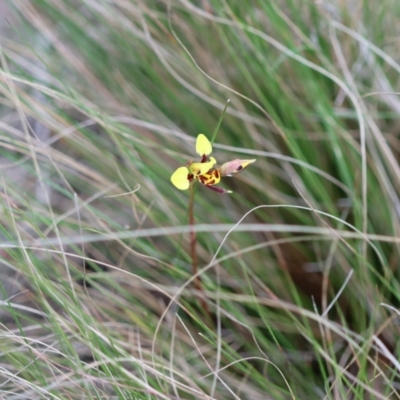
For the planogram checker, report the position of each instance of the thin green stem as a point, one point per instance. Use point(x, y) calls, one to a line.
point(220, 120)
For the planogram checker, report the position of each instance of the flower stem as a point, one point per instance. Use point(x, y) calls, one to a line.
point(193, 242)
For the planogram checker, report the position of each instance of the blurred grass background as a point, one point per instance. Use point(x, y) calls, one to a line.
point(101, 101)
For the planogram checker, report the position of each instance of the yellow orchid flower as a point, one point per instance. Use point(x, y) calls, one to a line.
point(183, 176)
point(206, 171)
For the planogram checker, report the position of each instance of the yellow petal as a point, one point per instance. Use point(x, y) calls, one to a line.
point(203, 145)
point(180, 178)
point(197, 168)
point(235, 166)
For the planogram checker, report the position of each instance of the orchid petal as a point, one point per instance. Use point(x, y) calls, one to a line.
point(203, 145)
point(180, 178)
point(202, 168)
point(219, 189)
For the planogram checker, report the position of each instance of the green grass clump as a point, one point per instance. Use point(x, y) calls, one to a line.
point(101, 101)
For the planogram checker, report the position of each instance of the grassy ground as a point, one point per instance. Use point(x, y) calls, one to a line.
point(101, 101)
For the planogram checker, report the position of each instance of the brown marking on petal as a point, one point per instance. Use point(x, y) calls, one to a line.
point(216, 173)
point(203, 159)
point(239, 168)
point(211, 182)
point(190, 177)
